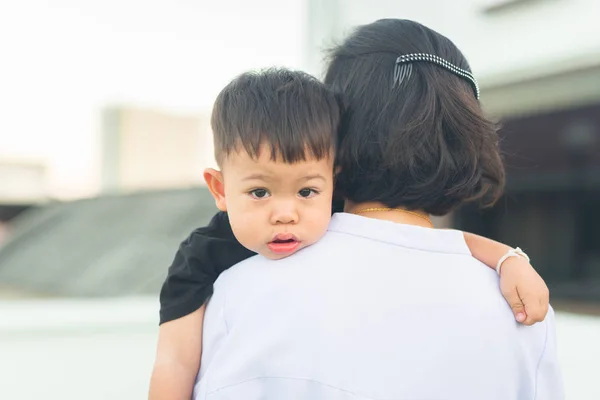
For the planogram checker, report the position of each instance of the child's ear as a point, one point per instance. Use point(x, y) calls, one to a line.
point(214, 181)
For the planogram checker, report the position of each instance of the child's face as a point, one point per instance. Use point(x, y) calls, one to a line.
point(274, 208)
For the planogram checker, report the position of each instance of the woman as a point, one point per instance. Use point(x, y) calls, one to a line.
point(428, 323)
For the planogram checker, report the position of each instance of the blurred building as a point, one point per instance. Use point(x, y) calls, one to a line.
point(552, 196)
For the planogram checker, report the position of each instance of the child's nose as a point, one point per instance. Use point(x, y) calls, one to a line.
point(284, 213)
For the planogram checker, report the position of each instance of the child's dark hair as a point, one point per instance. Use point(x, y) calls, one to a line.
point(293, 113)
point(420, 142)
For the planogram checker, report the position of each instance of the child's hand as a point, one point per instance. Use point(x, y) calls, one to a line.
point(524, 290)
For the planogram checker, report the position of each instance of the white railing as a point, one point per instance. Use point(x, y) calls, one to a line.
point(77, 349)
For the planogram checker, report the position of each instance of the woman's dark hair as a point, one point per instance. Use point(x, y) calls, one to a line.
point(424, 144)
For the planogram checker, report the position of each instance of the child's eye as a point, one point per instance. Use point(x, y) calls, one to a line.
point(307, 193)
point(259, 193)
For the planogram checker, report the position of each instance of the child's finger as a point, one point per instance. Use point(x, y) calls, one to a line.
point(528, 319)
point(520, 314)
point(536, 311)
point(517, 306)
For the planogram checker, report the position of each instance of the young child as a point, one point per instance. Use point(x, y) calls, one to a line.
point(275, 136)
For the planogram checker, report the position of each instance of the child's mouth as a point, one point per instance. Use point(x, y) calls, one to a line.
point(283, 244)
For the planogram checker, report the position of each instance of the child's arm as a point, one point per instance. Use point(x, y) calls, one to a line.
point(520, 284)
point(177, 358)
point(201, 258)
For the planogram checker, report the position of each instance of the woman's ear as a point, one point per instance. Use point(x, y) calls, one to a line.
point(214, 181)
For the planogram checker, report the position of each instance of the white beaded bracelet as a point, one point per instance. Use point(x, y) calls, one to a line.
point(517, 252)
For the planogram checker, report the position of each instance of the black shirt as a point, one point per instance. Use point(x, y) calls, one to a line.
point(199, 261)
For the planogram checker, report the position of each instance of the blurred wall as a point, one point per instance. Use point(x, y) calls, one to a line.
point(21, 181)
point(149, 149)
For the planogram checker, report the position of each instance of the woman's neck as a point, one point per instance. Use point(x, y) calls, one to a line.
point(399, 215)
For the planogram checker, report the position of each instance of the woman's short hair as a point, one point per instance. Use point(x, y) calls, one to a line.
point(420, 143)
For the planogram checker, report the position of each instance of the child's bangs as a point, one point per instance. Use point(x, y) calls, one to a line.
point(288, 146)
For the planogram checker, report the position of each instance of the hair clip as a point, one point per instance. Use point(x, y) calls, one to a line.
point(403, 69)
